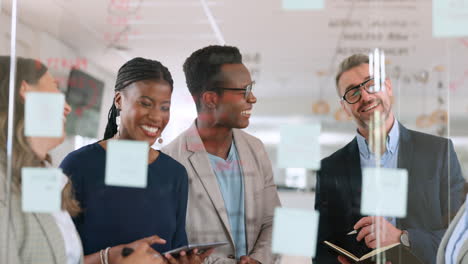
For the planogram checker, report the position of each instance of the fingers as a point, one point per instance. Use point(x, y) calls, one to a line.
point(141, 254)
point(371, 241)
point(365, 221)
point(244, 260)
point(171, 259)
point(183, 258)
point(204, 255)
point(364, 232)
point(154, 240)
point(343, 260)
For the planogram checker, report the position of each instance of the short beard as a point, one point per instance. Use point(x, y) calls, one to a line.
point(365, 124)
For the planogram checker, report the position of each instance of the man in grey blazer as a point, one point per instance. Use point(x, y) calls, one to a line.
point(434, 177)
point(232, 194)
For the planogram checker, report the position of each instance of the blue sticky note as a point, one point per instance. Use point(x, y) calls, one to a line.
point(449, 18)
point(41, 189)
point(295, 232)
point(384, 192)
point(44, 114)
point(303, 4)
point(299, 146)
point(127, 163)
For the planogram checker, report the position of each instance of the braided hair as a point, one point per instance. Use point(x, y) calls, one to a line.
point(134, 70)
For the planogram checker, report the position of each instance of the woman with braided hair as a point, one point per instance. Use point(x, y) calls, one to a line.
point(115, 216)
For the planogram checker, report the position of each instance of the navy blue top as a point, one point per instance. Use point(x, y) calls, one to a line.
point(119, 215)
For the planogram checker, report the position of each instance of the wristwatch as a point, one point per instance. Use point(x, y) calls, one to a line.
point(404, 238)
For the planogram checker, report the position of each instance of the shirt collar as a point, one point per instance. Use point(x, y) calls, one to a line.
point(391, 143)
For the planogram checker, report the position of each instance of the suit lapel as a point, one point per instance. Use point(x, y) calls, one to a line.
point(246, 159)
point(405, 150)
point(53, 235)
point(405, 159)
point(354, 178)
point(202, 167)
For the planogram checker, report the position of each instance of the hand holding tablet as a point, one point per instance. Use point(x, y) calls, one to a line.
point(202, 247)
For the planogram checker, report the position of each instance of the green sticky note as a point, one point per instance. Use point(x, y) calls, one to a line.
point(384, 192)
point(303, 4)
point(41, 189)
point(127, 163)
point(449, 18)
point(44, 114)
point(299, 146)
point(295, 232)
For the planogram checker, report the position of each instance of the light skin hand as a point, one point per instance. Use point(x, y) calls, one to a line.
point(191, 258)
point(344, 260)
point(369, 230)
point(248, 260)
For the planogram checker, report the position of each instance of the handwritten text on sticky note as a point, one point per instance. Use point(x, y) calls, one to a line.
point(41, 189)
point(127, 163)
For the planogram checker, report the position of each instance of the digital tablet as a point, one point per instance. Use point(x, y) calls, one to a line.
point(202, 247)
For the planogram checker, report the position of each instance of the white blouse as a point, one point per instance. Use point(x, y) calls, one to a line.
point(73, 247)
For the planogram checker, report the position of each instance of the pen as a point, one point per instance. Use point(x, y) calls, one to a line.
point(352, 232)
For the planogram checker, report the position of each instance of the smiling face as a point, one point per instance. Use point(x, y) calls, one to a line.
point(362, 111)
point(233, 109)
point(144, 110)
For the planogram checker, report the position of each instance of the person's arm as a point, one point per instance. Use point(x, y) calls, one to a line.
point(262, 248)
point(424, 243)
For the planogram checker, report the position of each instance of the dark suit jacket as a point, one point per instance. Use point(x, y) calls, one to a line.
point(435, 186)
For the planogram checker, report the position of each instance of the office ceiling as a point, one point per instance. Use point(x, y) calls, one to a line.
point(291, 53)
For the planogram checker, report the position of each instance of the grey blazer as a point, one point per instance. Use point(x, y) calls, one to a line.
point(463, 255)
point(207, 220)
point(34, 238)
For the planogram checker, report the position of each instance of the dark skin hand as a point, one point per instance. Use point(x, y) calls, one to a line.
point(191, 258)
point(247, 260)
point(115, 253)
point(143, 253)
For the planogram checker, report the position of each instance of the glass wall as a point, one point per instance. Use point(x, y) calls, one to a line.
point(382, 148)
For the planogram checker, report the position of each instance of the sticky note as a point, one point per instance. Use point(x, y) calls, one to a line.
point(299, 146)
point(127, 163)
point(449, 18)
point(41, 189)
point(303, 4)
point(295, 232)
point(384, 192)
point(44, 114)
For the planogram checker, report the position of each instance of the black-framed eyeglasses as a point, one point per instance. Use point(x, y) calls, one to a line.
point(353, 95)
point(247, 90)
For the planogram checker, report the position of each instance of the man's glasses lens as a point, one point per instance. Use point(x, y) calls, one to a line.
point(248, 90)
point(353, 95)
